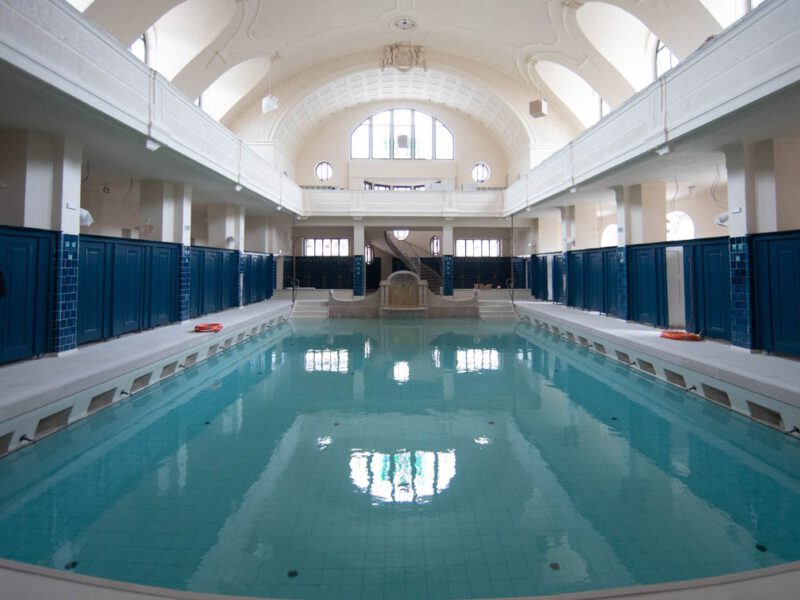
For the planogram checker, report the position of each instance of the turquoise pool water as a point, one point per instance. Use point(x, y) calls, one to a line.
point(440, 459)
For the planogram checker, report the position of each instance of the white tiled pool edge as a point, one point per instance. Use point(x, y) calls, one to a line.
point(699, 368)
point(21, 580)
point(29, 417)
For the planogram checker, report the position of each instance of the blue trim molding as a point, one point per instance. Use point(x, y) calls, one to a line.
point(622, 282)
point(447, 275)
point(65, 306)
point(358, 275)
point(741, 292)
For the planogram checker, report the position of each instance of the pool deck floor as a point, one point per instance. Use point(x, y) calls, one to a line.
point(44, 380)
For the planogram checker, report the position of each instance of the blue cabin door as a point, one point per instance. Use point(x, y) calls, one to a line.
point(92, 291)
point(24, 290)
point(128, 304)
point(778, 276)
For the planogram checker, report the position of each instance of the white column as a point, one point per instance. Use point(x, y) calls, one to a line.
point(358, 238)
point(641, 213)
point(567, 228)
point(67, 158)
point(447, 238)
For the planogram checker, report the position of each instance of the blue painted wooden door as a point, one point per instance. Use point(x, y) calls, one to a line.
point(778, 281)
point(610, 284)
point(715, 283)
point(558, 279)
point(648, 286)
point(93, 281)
point(212, 282)
point(595, 281)
point(163, 270)
point(128, 294)
point(25, 294)
point(575, 279)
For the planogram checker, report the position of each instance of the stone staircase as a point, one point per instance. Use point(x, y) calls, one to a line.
point(310, 310)
point(496, 309)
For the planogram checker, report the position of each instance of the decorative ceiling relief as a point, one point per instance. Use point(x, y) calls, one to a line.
point(403, 57)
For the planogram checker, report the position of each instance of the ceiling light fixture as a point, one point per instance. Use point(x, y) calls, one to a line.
point(573, 189)
point(662, 150)
point(270, 102)
point(237, 187)
point(151, 144)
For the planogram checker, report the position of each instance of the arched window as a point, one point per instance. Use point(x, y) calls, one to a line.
point(402, 133)
point(369, 254)
point(679, 226)
point(609, 235)
point(436, 245)
point(664, 59)
point(400, 234)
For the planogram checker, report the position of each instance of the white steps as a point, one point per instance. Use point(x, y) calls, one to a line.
point(310, 310)
point(496, 309)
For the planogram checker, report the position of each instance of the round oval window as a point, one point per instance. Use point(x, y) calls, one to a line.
point(323, 170)
point(480, 172)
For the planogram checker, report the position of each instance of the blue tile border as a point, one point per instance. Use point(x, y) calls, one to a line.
point(358, 275)
point(741, 292)
point(65, 304)
point(622, 282)
point(447, 275)
point(184, 282)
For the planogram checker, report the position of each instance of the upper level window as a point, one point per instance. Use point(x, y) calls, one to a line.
point(435, 245)
point(664, 60)
point(327, 247)
point(480, 248)
point(480, 172)
point(369, 254)
point(400, 234)
point(402, 133)
point(323, 170)
point(139, 48)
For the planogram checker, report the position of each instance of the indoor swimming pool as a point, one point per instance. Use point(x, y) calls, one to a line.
point(405, 459)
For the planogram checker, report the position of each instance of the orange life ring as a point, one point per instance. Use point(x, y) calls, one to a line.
point(677, 334)
point(208, 327)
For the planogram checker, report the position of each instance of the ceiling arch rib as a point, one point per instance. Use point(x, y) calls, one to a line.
point(228, 49)
point(234, 84)
point(127, 20)
point(454, 91)
point(621, 38)
point(572, 90)
point(183, 32)
point(683, 25)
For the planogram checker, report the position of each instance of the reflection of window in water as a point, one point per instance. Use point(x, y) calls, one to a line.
point(330, 361)
point(436, 357)
point(469, 360)
point(403, 476)
point(401, 372)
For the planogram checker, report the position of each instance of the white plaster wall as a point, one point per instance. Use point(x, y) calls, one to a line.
point(13, 158)
point(39, 182)
point(549, 232)
point(703, 209)
point(787, 182)
point(112, 212)
point(199, 225)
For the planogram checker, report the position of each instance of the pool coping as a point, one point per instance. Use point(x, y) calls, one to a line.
point(763, 387)
point(82, 381)
point(23, 579)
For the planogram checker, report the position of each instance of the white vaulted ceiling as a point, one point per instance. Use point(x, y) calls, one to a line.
point(448, 89)
point(200, 44)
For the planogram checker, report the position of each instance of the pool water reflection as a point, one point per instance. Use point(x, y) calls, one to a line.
point(438, 459)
